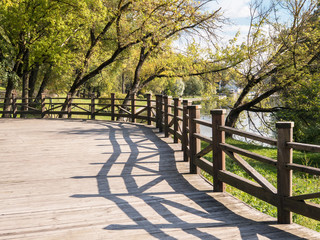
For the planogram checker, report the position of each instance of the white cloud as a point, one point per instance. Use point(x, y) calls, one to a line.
point(234, 8)
point(238, 12)
point(235, 28)
point(228, 32)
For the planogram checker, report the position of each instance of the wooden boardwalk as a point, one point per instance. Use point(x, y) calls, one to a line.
point(74, 179)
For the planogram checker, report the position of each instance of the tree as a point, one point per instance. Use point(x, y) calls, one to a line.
point(149, 26)
point(33, 33)
point(175, 87)
point(301, 104)
point(193, 87)
point(276, 59)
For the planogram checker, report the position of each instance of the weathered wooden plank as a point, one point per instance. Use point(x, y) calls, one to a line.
point(218, 156)
point(179, 118)
point(170, 130)
point(205, 165)
point(307, 209)
point(179, 136)
point(252, 172)
point(253, 136)
point(305, 196)
point(302, 168)
point(249, 154)
point(284, 174)
point(304, 146)
point(123, 109)
point(203, 122)
point(204, 151)
point(140, 110)
point(203, 138)
point(249, 187)
point(171, 123)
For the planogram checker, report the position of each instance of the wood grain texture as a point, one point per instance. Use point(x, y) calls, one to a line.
point(75, 179)
point(284, 174)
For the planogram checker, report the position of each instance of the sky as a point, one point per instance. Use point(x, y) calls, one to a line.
point(236, 9)
point(238, 12)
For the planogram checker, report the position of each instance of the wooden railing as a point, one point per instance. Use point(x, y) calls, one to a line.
point(181, 120)
point(112, 107)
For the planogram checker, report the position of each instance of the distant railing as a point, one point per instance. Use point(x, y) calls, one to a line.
point(180, 119)
point(48, 107)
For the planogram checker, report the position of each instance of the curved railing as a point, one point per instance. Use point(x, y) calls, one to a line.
point(180, 119)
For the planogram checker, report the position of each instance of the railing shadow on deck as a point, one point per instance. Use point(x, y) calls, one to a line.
point(120, 134)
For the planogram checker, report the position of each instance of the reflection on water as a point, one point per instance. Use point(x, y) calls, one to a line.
point(252, 122)
point(206, 131)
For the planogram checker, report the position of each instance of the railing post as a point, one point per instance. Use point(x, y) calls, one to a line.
point(133, 108)
point(284, 175)
point(167, 110)
point(93, 106)
point(24, 104)
point(69, 99)
point(43, 105)
point(176, 113)
point(218, 156)
point(149, 109)
point(157, 110)
point(24, 107)
point(159, 106)
point(14, 105)
point(185, 124)
point(51, 106)
point(112, 106)
point(194, 112)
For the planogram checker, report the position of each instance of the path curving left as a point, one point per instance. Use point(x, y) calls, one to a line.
point(76, 179)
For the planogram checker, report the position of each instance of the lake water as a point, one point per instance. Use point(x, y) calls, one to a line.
point(253, 123)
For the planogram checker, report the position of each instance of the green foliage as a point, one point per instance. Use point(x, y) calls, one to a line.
point(84, 39)
point(175, 87)
point(193, 87)
point(302, 105)
point(157, 86)
point(42, 26)
point(39, 33)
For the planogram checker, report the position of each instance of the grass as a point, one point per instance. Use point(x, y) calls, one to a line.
point(302, 183)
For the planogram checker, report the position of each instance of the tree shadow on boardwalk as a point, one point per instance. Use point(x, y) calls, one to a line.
point(148, 175)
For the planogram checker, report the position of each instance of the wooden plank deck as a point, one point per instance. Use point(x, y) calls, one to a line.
point(74, 179)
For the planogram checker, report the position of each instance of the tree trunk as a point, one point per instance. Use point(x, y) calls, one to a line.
point(33, 79)
point(73, 91)
point(45, 81)
point(134, 90)
point(232, 118)
point(136, 86)
point(25, 93)
point(25, 83)
point(17, 69)
point(7, 103)
point(123, 86)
